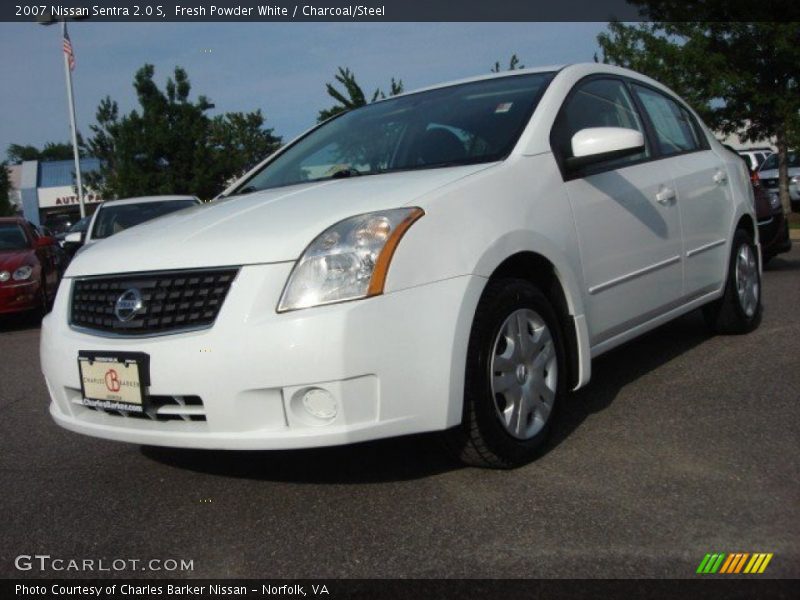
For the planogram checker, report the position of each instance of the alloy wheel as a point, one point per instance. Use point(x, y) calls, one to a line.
point(747, 285)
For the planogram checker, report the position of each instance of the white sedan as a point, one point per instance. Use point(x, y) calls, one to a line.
point(115, 216)
point(450, 259)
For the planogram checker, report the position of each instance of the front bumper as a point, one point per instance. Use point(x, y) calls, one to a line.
point(393, 363)
point(19, 296)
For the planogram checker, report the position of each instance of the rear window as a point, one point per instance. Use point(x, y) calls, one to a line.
point(772, 161)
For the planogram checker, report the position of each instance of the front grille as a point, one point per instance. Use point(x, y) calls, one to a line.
point(161, 408)
point(170, 301)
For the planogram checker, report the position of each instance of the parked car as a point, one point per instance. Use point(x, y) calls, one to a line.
point(450, 259)
point(29, 274)
point(773, 226)
point(754, 157)
point(55, 251)
point(114, 216)
point(768, 174)
point(78, 227)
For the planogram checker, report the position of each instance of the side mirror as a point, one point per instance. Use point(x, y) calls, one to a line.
point(597, 144)
point(76, 237)
point(45, 241)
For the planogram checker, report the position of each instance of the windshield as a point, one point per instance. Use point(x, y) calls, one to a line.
point(792, 160)
point(461, 124)
point(12, 237)
point(80, 226)
point(113, 219)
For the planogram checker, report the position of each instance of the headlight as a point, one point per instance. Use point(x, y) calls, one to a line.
point(347, 261)
point(22, 273)
point(795, 180)
point(4, 276)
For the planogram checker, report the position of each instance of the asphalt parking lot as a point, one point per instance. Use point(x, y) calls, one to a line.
point(683, 444)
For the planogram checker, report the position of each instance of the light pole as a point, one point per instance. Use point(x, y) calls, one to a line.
point(48, 20)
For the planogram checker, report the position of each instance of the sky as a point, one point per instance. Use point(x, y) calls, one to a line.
point(280, 68)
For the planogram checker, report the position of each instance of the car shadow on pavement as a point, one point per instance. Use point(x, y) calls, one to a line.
point(419, 456)
point(395, 459)
point(611, 372)
point(783, 262)
point(20, 322)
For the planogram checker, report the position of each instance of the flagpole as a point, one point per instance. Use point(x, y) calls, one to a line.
point(73, 130)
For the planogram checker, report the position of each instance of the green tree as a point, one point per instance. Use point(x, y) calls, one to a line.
point(170, 144)
point(741, 77)
point(353, 95)
point(513, 65)
point(17, 153)
point(241, 141)
point(5, 189)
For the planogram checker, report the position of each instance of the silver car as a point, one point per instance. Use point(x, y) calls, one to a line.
point(768, 174)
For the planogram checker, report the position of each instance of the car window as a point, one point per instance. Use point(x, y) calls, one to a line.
point(597, 103)
point(793, 160)
point(675, 132)
point(113, 219)
point(81, 226)
point(12, 237)
point(455, 125)
point(751, 162)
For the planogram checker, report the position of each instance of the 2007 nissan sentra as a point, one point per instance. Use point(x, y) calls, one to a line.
point(448, 260)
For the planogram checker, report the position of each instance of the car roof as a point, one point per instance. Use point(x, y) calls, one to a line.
point(485, 76)
point(588, 67)
point(145, 199)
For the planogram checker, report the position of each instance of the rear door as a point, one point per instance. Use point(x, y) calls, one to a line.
point(701, 184)
point(627, 221)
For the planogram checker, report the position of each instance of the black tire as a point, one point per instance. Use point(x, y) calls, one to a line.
point(727, 315)
point(482, 440)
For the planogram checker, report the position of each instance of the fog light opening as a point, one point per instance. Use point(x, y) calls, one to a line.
point(320, 404)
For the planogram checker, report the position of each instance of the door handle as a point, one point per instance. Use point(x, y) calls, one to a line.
point(720, 177)
point(665, 195)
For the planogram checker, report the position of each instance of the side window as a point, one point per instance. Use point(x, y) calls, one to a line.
point(597, 103)
point(674, 128)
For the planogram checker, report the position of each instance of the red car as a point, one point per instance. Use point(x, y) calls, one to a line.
point(29, 268)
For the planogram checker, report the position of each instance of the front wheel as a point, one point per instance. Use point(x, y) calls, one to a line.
point(514, 377)
point(739, 309)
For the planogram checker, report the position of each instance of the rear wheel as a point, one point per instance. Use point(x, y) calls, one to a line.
point(514, 377)
point(739, 309)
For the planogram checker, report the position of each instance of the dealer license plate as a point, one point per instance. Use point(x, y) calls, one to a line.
point(114, 381)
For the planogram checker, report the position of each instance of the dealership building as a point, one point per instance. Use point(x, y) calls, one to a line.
point(47, 192)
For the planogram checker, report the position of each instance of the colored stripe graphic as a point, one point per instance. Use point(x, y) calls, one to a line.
point(764, 564)
point(727, 564)
point(711, 562)
point(734, 563)
point(731, 564)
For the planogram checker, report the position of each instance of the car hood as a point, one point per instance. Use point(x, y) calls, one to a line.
point(10, 260)
point(269, 226)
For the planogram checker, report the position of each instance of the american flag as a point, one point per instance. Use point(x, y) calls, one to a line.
point(68, 51)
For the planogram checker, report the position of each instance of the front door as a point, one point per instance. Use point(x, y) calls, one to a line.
point(626, 215)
